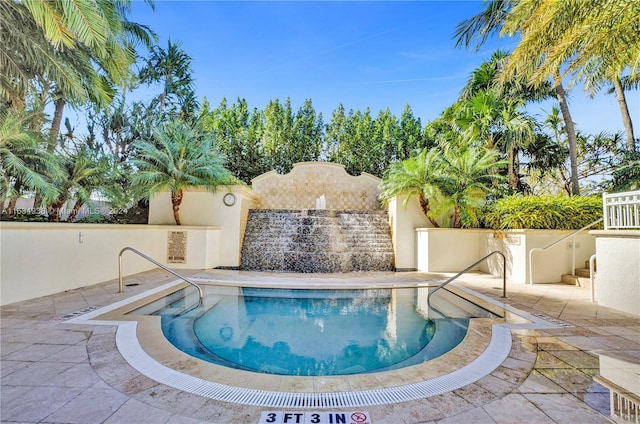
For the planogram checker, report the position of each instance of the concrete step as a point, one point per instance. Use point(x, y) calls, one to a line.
point(575, 280)
point(583, 272)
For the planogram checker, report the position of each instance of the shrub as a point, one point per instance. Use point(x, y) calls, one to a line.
point(543, 212)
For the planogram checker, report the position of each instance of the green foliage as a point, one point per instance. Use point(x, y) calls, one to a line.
point(24, 163)
point(178, 157)
point(452, 185)
point(257, 141)
point(543, 212)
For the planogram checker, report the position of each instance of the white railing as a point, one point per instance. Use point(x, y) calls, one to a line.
point(621, 210)
point(572, 236)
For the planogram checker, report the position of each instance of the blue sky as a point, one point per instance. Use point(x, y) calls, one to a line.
point(372, 54)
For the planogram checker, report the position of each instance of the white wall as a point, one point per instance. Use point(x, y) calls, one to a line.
point(39, 259)
point(618, 269)
point(403, 221)
point(452, 250)
point(200, 207)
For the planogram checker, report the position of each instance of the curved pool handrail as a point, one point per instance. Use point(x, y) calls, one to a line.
point(504, 274)
point(153, 261)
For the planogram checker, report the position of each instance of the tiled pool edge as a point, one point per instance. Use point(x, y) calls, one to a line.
point(491, 358)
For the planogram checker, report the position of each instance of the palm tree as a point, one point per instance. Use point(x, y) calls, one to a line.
point(412, 177)
point(74, 51)
point(57, 42)
point(451, 184)
point(85, 172)
point(24, 163)
point(510, 17)
point(462, 184)
point(179, 156)
point(171, 68)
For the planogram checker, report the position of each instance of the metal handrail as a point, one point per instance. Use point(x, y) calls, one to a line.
point(573, 251)
point(504, 274)
point(592, 282)
point(153, 261)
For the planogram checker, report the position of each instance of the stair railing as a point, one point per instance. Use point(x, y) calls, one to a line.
point(153, 261)
point(573, 249)
point(484, 258)
point(592, 272)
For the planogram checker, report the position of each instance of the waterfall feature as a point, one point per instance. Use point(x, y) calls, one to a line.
point(317, 240)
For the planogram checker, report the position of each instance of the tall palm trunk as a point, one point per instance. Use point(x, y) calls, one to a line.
point(511, 168)
point(55, 123)
point(424, 204)
point(53, 210)
point(76, 209)
point(571, 132)
point(53, 137)
point(624, 111)
point(176, 200)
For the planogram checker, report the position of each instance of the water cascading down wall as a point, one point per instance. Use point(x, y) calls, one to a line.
point(317, 218)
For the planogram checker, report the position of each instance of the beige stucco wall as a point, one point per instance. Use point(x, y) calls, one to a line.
point(404, 218)
point(307, 181)
point(618, 269)
point(201, 207)
point(452, 250)
point(39, 259)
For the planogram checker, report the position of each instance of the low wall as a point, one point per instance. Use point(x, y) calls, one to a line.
point(618, 269)
point(226, 209)
point(39, 259)
point(452, 250)
point(403, 220)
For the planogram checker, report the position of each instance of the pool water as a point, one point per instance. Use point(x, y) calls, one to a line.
point(314, 332)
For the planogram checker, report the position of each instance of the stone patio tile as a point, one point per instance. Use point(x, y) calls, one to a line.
point(7, 348)
point(565, 408)
point(416, 412)
point(538, 383)
point(222, 412)
point(36, 374)
point(34, 352)
point(515, 409)
point(91, 406)
point(170, 399)
point(383, 414)
point(572, 380)
point(548, 360)
point(133, 411)
point(80, 376)
point(75, 353)
point(9, 367)
point(576, 358)
point(36, 404)
point(12, 392)
point(475, 416)
point(65, 337)
point(475, 395)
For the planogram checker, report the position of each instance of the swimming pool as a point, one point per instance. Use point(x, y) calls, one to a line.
point(311, 332)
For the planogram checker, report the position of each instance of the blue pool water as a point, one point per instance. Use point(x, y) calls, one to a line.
point(313, 332)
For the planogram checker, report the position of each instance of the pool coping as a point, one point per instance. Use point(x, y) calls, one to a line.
point(492, 356)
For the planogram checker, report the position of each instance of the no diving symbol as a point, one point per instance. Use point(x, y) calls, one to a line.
point(358, 417)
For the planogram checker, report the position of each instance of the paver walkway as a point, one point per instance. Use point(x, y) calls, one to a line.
point(55, 372)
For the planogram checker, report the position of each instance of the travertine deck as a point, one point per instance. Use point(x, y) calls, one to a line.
point(56, 372)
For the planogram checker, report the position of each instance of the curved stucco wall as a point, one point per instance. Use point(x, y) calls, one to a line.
point(307, 181)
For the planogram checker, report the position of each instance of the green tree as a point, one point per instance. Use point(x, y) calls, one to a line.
point(170, 68)
point(510, 17)
point(180, 156)
point(85, 172)
point(410, 137)
point(25, 165)
point(451, 184)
